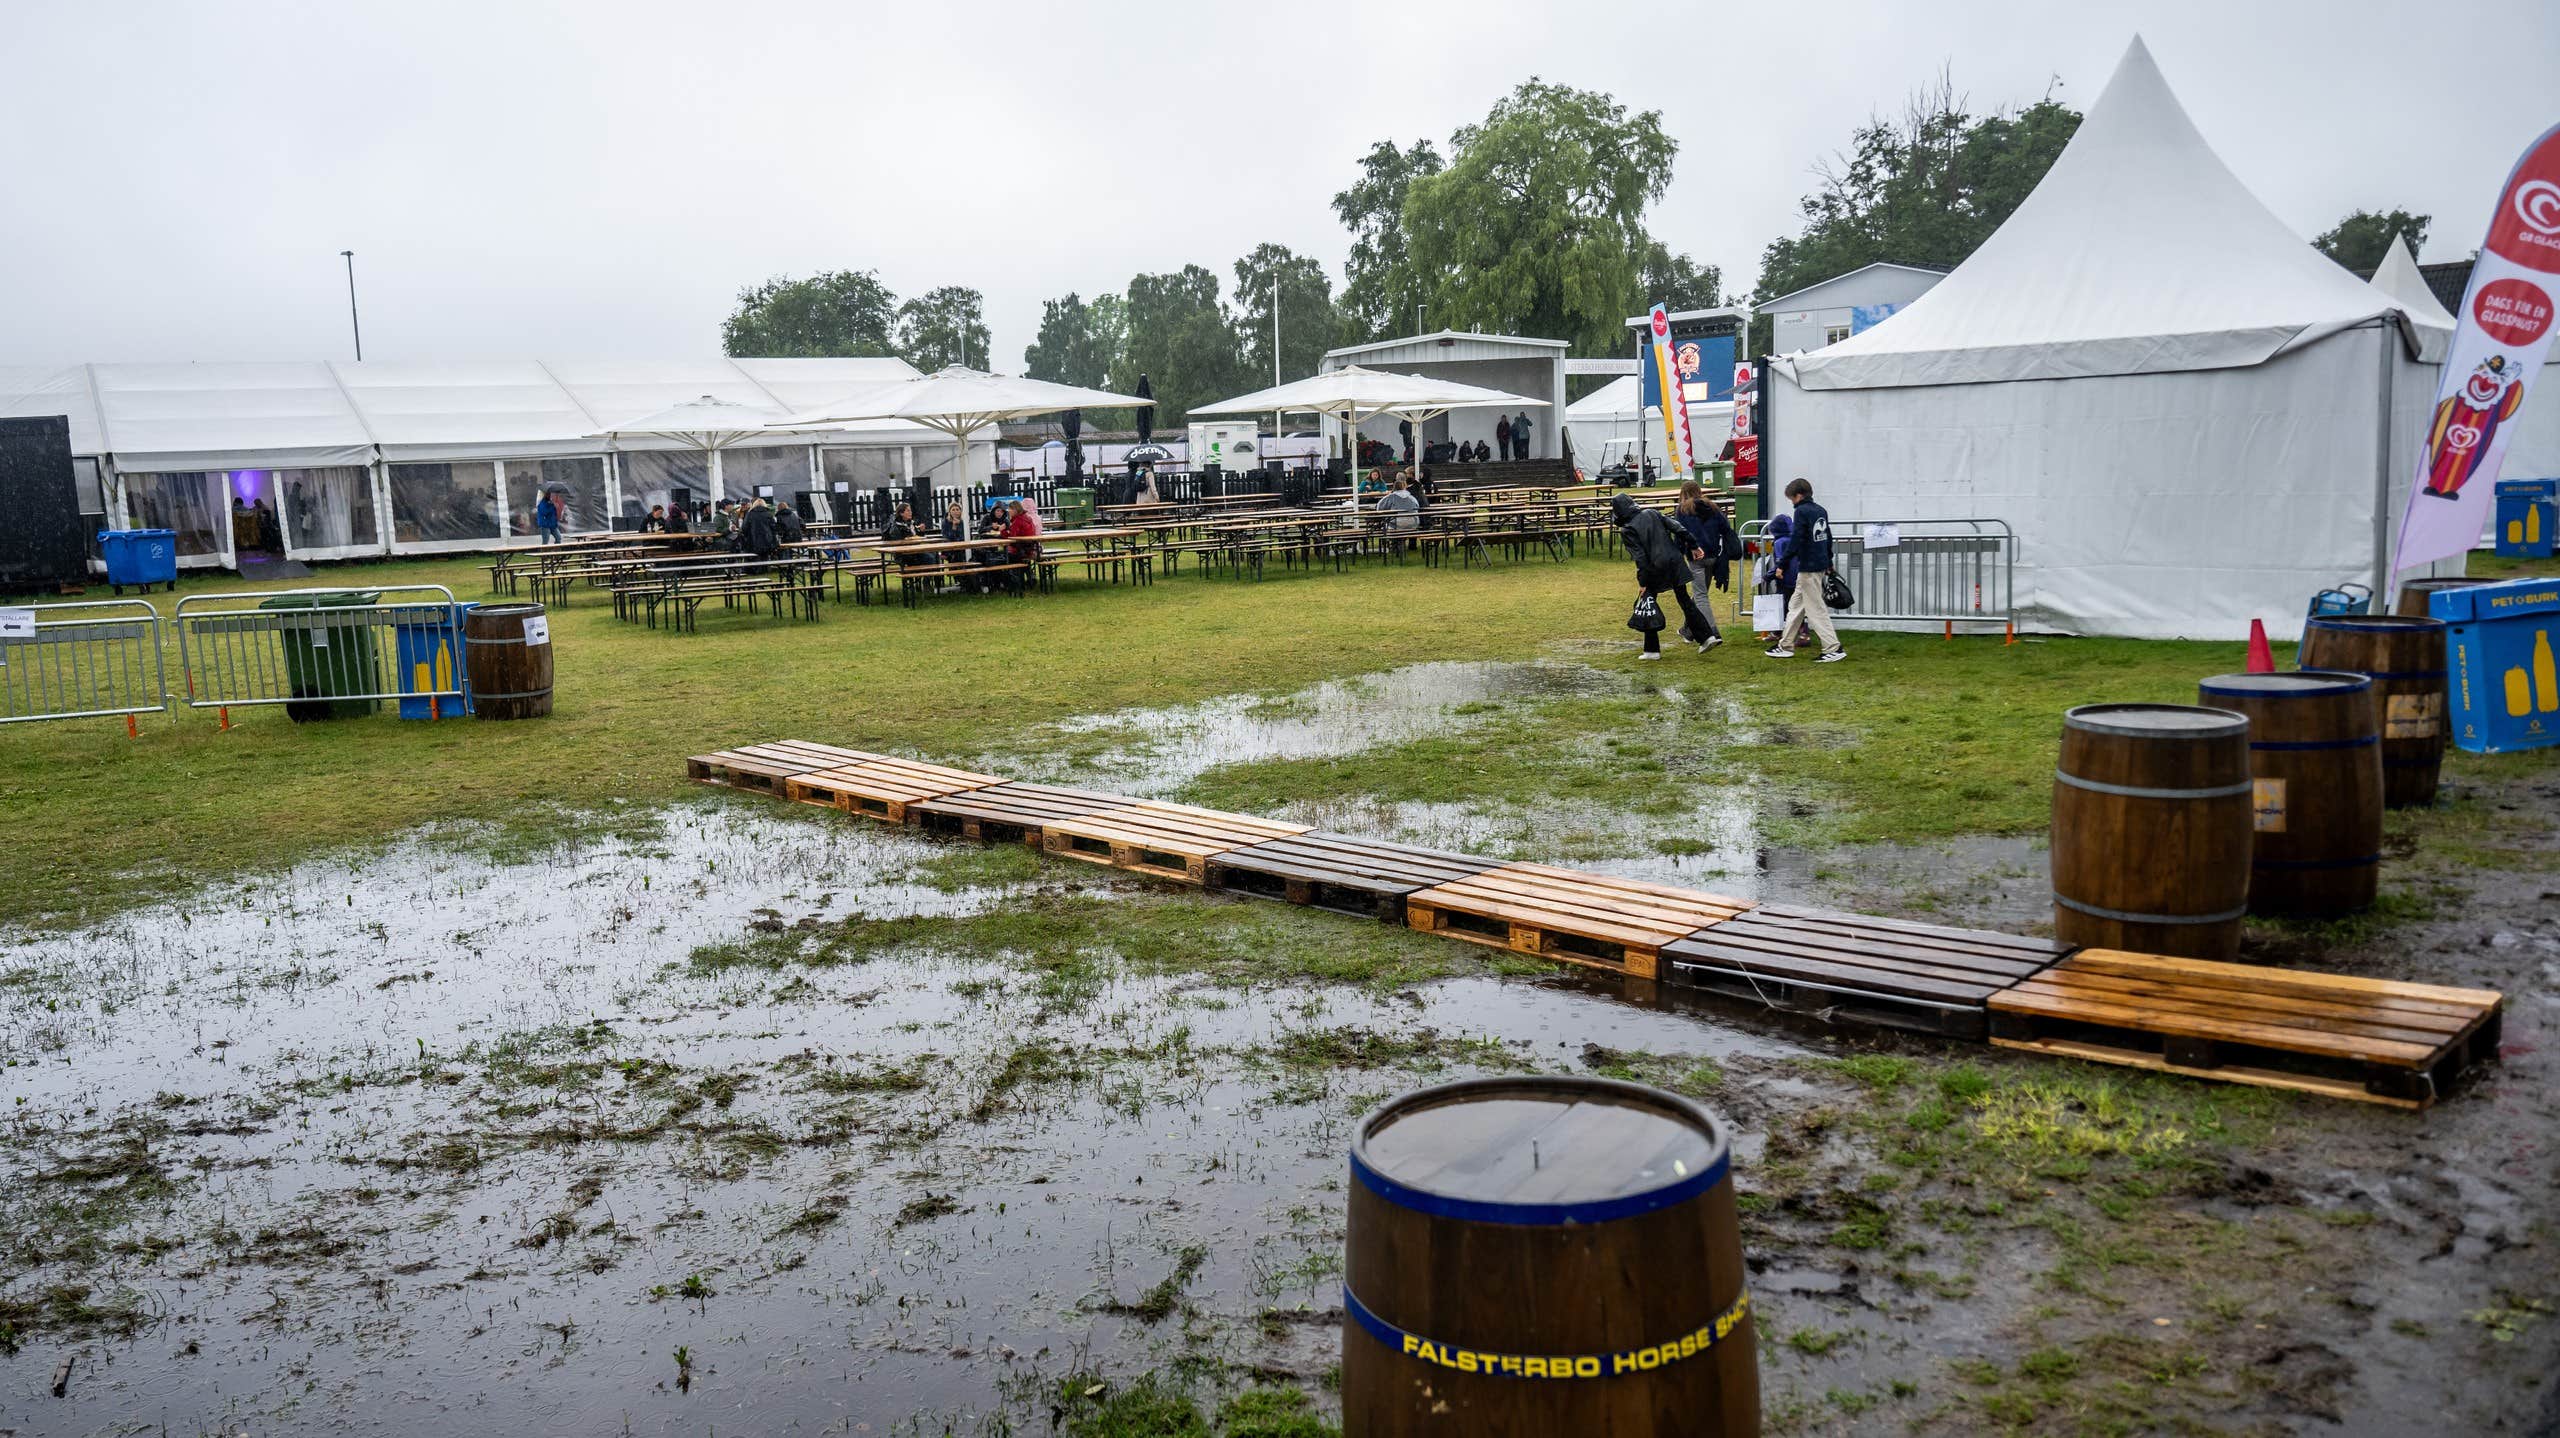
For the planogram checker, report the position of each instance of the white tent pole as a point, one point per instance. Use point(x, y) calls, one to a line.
point(716, 490)
point(2387, 333)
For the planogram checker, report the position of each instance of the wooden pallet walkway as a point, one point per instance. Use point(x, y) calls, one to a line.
point(881, 788)
point(763, 767)
point(2371, 1039)
point(1008, 811)
point(1882, 971)
point(1170, 841)
point(1590, 919)
point(1366, 878)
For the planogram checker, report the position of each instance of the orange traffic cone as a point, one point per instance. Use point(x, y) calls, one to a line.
point(2262, 660)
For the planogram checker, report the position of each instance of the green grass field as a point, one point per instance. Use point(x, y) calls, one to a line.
point(1916, 737)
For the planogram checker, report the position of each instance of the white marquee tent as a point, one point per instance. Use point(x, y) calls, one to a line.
point(429, 457)
point(1609, 412)
point(2190, 417)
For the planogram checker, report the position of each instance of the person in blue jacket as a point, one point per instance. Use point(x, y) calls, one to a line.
point(1809, 546)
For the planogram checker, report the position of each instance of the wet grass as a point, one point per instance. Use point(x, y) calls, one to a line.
point(1164, 1405)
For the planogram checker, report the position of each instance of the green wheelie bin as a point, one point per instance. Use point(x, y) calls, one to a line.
point(324, 659)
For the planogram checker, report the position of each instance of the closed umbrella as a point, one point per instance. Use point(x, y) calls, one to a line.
point(1073, 423)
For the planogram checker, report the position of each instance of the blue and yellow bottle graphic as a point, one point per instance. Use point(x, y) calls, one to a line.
point(2539, 691)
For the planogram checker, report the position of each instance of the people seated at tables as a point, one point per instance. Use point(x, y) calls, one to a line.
point(1402, 511)
point(955, 522)
point(788, 523)
point(757, 533)
point(901, 529)
point(656, 523)
point(1024, 531)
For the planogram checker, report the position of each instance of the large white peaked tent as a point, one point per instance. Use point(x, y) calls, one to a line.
point(2190, 417)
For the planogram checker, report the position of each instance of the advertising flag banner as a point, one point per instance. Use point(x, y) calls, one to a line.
point(1675, 407)
point(2503, 331)
point(1746, 445)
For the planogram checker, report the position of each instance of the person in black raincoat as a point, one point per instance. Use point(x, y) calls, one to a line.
point(1661, 551)
point(756, 534)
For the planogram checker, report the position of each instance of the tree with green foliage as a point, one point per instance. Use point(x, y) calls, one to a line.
point(2361, 239)
point(836, 313)
point(1379, 289)
point(1675, 282)
point(1537, 225)
point(1077, 341)
point(1926, 189)
point(1181, 338)
point(1308, 324)
point(945, 326)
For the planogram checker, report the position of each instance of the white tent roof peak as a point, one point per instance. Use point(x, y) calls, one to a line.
point(2140, 252)
point(2398, 277)
point(1358, 390)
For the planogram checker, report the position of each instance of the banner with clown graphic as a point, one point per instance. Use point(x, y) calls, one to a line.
point(1675, 405)
point(2504, 330)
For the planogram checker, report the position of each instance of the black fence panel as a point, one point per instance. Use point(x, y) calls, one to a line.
point(43, 544)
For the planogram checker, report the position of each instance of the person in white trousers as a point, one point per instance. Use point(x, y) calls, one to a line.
point(1811, 538)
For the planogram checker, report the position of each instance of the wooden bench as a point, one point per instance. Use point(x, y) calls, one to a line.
point(915, 581)
point(763, 767)
point(684, 601)
point(1851, 967)
point(1595, 920)
point(880, 787)
point(1170, 841)
point(2376, 1040)
point(1366, 878)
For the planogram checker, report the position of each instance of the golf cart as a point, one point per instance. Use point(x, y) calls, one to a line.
point(1618, 463)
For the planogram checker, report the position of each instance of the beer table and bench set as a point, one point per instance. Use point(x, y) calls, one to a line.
point(2379, 1041)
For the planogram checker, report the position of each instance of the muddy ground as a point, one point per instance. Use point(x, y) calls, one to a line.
point(735, 1117)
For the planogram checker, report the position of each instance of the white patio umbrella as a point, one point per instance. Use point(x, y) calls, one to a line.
point(707, 424)
point(1350, 393)
point(958, 402)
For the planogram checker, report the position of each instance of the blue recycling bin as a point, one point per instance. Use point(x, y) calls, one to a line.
point(2528, 512)
point(427, 641)
point(2504, 689)
point(143, 557)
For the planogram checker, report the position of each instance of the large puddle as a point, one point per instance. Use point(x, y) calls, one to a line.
point(439, 1142)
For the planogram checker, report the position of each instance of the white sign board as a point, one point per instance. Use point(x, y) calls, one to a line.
point(537, 630)
point(17, 624)
point(1882, 536)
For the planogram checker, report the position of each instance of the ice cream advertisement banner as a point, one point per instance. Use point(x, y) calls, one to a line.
point(1675, 408)
point(2505, 327)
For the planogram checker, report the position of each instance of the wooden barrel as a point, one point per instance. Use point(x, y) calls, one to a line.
point(2404, 656)
point(2412, 599)
point(509, 655)
point(2315, 766)
point(1536, 1256)
point(2151, 829)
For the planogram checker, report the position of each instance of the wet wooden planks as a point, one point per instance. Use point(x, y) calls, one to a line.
point(880, 787)
point(1170, 841)
point(1590, 919)
point(1883, 971)
point(764, 767)
point(2372, 1039)
point(1366, 878)
point(1007, 811)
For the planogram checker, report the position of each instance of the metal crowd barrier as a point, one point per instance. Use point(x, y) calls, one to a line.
point(58, 664)
point(333, 645)
point(1937, 571)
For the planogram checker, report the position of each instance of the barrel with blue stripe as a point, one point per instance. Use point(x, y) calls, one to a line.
point(2151, 829)
point(2315, 767)
point(2404, 657)
point(1541, 1256)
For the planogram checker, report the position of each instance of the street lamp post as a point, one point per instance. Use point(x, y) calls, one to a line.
point(352, 321)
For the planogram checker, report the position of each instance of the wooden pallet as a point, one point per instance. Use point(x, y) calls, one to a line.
point(2370, 1039)
point(881, 788)
point(1366, 878)
point(1170, 841)
point(1008, 811)
point(763, 767)
point(1848, 966)
point(1592, 919)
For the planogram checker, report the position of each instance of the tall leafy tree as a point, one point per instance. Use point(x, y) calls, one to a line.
point(1308, 324)
point(836, 313)
point(1380, 289)
point(1925, 188)
point(1537, 225)
point(1182, 339)
point(1675, 281)
point(2361, 239)
point(1072, 348)
point(945, 326)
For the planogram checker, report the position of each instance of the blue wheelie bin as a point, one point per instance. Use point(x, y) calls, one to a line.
point(142, 557)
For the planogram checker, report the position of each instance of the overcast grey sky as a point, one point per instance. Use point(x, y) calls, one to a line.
point(526, 178)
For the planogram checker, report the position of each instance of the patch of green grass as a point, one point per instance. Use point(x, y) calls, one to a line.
point(1272, 1413)
point(1153, 1406)
point(1158, 1302)
point(962, 867)
point(1815, 1342)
